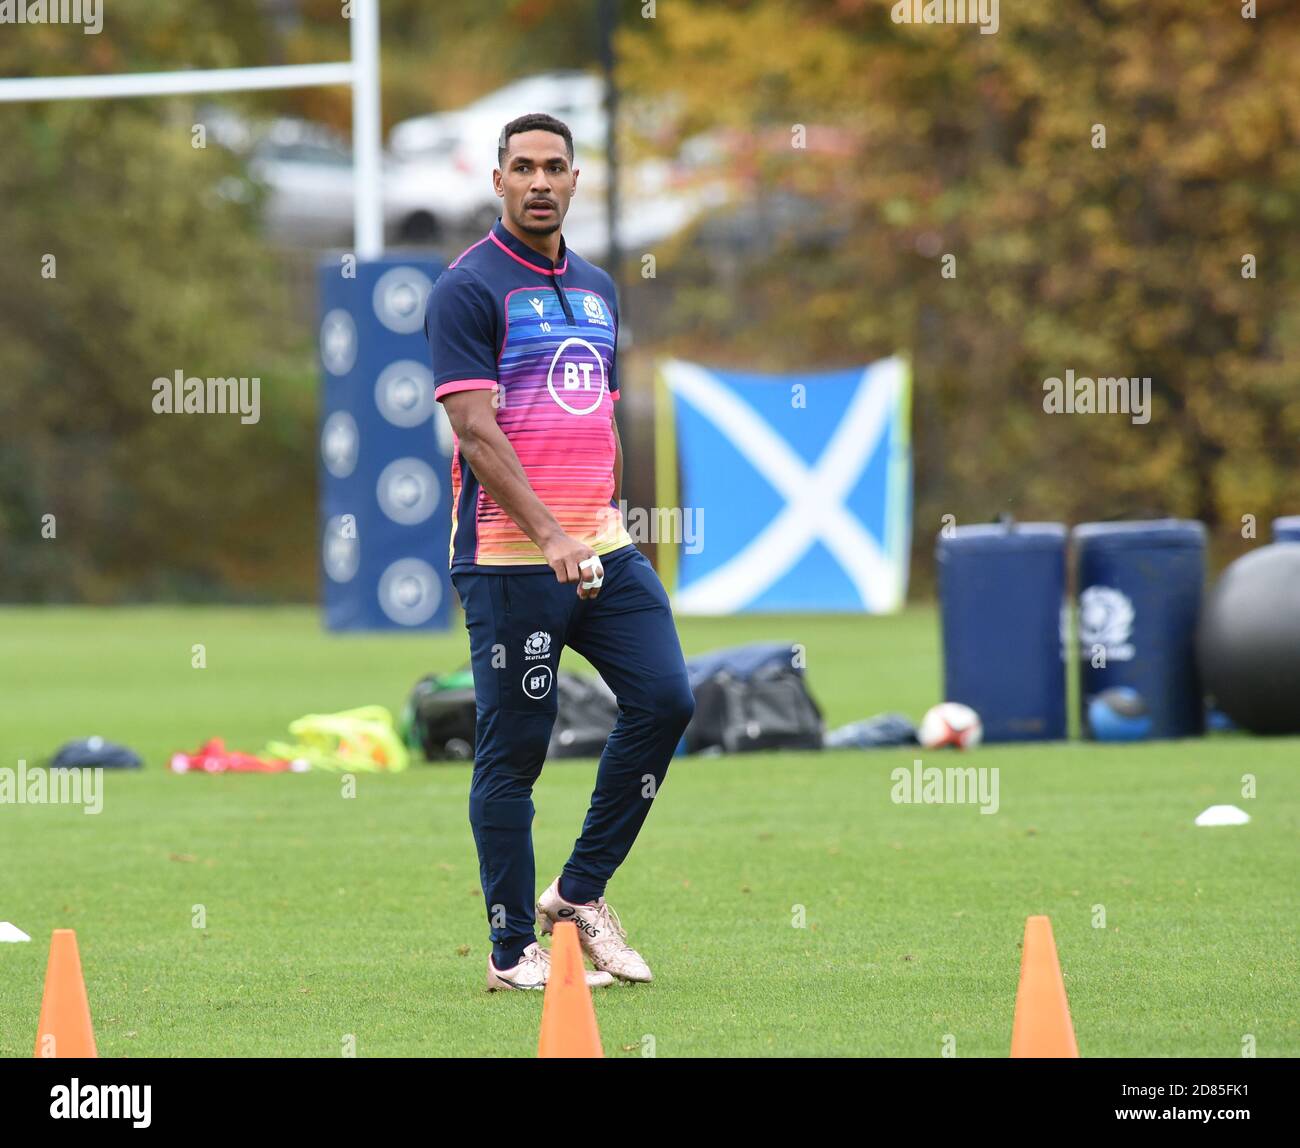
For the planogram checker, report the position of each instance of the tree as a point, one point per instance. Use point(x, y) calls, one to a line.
point(1125, 260)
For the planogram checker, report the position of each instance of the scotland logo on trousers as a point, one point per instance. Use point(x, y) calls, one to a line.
point(807, 483)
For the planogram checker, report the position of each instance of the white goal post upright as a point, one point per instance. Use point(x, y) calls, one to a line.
point(361, 72)
point(367, 218)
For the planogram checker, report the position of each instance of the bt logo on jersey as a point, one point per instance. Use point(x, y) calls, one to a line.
point(581, 377)
point(571, 373)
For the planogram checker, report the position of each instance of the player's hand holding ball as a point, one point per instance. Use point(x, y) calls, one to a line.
point(573, 561)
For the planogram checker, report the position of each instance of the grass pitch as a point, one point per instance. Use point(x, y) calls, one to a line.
point(329, 920)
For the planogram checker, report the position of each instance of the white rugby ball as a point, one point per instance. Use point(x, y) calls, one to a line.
point(951, 723)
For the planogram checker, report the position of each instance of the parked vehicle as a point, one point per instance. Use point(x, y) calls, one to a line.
point(306, 171)
point(467, 134)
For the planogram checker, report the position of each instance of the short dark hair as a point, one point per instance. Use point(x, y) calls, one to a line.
point(533, 122)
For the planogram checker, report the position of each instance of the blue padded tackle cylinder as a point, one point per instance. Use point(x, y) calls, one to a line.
point(1140, 586)
point(1001, 593)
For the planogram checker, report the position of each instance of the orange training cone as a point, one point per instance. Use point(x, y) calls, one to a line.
point(64, 1029)
point(568, 1017)
point(1042, 1026)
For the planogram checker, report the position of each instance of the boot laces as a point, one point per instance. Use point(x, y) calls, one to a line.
point(610, 920)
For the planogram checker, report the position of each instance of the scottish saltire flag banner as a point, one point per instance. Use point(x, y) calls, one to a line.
point(799, 487)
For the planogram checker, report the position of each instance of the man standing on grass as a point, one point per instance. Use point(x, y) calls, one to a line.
point(522, 334)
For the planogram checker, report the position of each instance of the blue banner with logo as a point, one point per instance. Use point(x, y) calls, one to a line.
point(385, 446)
point(794, 492)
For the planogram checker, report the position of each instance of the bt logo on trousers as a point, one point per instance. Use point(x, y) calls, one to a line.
point(579, 385)
point(537, 682)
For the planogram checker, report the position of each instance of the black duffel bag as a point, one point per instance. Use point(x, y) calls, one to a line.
point(751, 698)
point(439, 716)
point(587, 713)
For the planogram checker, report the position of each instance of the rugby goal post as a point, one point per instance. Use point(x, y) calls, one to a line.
point(361, 72)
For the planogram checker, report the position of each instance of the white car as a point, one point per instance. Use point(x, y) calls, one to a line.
point(450, 148)
point(306, 171)
point(437, 175)
point(577, 98)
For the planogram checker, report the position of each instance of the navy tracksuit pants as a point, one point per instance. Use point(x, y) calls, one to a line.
point(518, 624)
